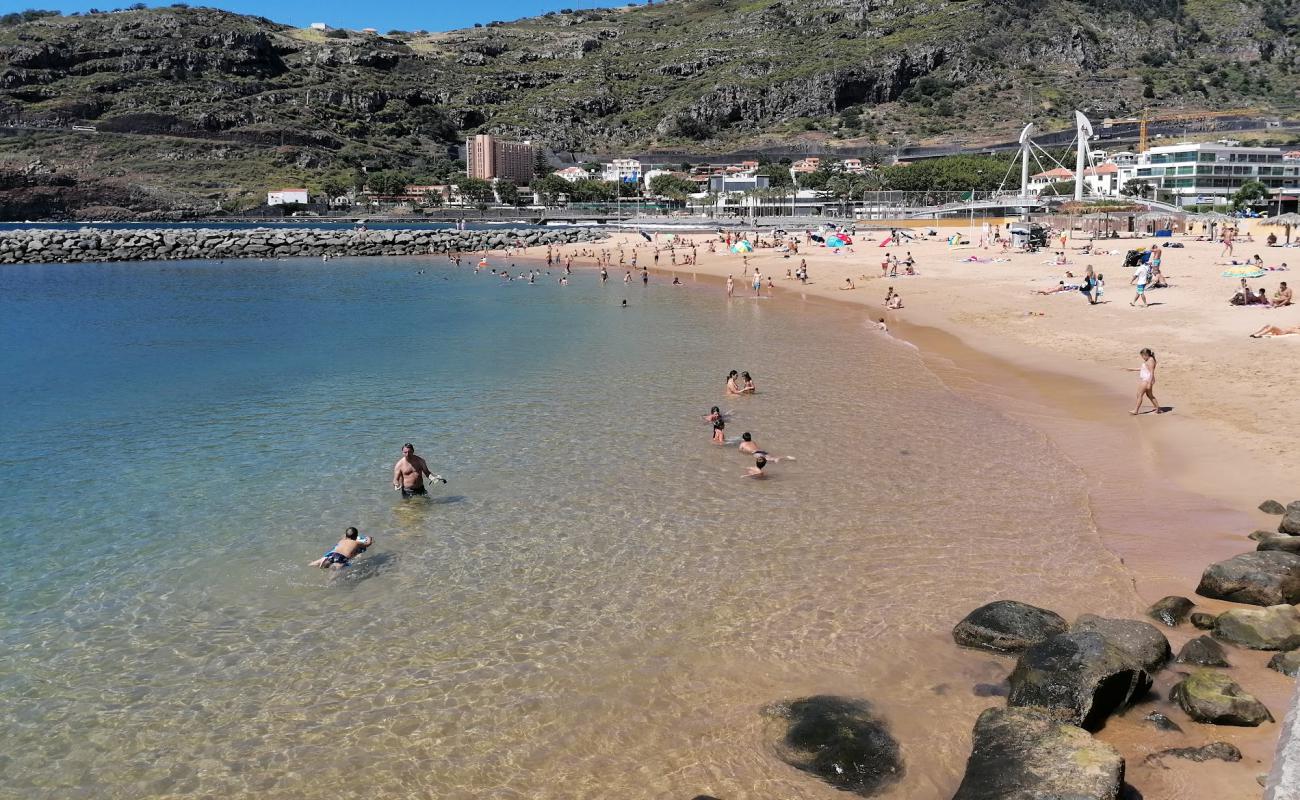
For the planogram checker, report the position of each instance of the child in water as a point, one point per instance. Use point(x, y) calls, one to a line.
point(719, 428)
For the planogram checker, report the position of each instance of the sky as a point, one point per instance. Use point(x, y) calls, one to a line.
point(383, 15)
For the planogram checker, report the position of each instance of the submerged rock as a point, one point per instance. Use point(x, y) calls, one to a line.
point(841, 741)
point(1202, 621)
point(1161, 722)
point(1273, 628)
point(1272, 507)
point(1144, 644)
point(1080, 676)
point(1261, 579)
point(1258, 535)
point(1215, 698)
point(1171, 610)
point(1203, 652)
point(1024, 754)
point(1222, 751)
point(1286, 663)
point(1007, 626)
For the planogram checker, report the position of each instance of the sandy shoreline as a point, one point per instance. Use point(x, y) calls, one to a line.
point(1170, 493)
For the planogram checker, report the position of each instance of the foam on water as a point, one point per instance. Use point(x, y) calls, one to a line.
point(596, 605)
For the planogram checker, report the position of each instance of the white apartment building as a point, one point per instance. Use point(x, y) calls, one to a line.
point(1211, 172)
point(572, 174)
point(622, 170)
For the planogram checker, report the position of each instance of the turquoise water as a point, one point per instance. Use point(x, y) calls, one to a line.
point(595, 605)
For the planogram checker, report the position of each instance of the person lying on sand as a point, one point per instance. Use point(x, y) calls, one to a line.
point(1274, 330)
point(1063, 287)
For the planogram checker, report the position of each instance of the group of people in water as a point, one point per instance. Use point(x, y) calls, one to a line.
point(409, 474)
point(739, 383)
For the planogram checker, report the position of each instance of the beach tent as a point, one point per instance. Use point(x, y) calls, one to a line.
point(743, 246)
point(835, 241)
point(1243, 271)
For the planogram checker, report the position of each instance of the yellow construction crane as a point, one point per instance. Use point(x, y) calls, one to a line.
point(1205, 118)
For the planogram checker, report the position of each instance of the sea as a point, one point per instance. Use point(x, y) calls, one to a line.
point(596, 604)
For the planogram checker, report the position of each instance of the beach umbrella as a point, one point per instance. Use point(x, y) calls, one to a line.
point(646, 235)
point(1243, 271)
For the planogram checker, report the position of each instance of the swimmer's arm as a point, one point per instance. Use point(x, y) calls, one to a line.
point(397, 475)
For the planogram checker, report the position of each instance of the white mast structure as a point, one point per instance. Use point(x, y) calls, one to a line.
point(1084, 130)
point(1026, 145)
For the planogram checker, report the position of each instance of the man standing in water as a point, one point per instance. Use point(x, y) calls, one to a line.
point(409, 473)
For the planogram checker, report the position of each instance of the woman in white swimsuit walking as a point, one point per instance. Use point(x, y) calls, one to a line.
point(1147, 381)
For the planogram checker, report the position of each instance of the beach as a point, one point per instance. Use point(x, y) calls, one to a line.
point(1170, 494)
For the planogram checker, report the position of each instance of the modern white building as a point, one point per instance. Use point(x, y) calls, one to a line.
point(1211, 172)
point(622, 170)
point(737, 183)
point(281, 197)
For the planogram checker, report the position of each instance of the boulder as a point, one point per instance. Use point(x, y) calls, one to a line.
point(1145, 645)
point(1215, 698)
point(1273, 628)
point(1290, 523)
point(1279, 542)
point(1024, 754)
point(1161, 722)
point(1272, 507)
point(1203, 652)
point(1007, 626)
point(1080, 676)
point(840, 740)
point(1171, 610)
point(1223, 751)
point(1202, 621)
point(1262, 579)
point(1286, 663)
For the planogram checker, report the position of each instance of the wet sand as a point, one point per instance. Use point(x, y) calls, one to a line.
point(1169, 494)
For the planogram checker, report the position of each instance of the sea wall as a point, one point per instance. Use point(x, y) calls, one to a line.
point(43, 245)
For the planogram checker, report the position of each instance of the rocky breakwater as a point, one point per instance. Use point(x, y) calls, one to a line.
point(44, 246)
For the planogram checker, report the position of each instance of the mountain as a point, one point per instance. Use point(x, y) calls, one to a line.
point(202, 104)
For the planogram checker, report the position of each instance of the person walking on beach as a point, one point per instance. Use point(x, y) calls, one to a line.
point(1141, 276)
point(349, 547)
point(731, 286)
point(758, 282)
point(409, 473)
point(1146, 381)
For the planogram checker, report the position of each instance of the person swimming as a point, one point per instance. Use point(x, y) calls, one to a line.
point(747, 443)
point(756, 471)
point(349, 547)
point(719, 431)
point(714, 415)
point(733, 386)
point(748, 387)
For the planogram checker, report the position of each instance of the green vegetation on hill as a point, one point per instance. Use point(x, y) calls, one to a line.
point(303, 106)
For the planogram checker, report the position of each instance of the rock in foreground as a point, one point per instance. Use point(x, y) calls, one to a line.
point(1007, 626)
point(1024, 754)
point(1290, 523)
point(841, 741)
point(1272, 507)
point(1171, 610)
point(1273, 628)
point(1215, 698)
point(1079, 676)
point(1261, 579)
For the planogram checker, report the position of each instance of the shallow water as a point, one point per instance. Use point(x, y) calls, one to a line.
point(596, 605)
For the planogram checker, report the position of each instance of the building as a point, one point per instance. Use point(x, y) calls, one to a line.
point(1040, 181)
point(489, 158)
point(320, 26)
point(281, 197)
point(737, 183)
point(572, 174)
point(805, 165)
point(622, 170)
point(1210, 173)
point(853, 166)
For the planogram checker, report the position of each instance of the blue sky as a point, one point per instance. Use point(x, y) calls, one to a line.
point(435, 15)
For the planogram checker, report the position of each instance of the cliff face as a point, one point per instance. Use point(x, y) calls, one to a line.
point(693, 75)
point(673, 73)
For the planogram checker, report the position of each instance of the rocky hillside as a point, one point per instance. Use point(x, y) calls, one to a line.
point(692, 75)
